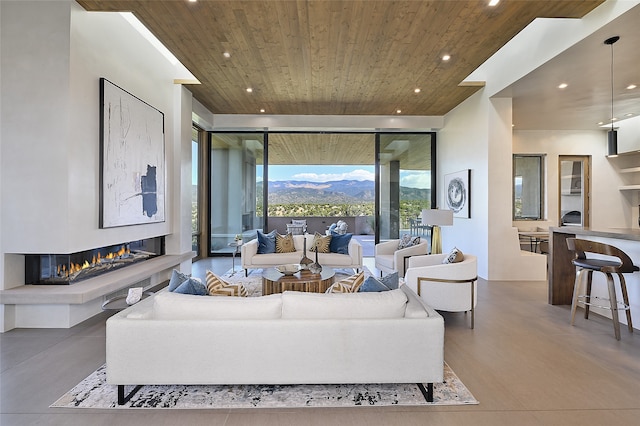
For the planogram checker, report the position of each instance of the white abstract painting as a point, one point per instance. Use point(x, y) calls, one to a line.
point(132, 159)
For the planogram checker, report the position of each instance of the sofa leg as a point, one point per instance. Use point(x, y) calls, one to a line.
point(428, 392)
point(246, 273)
point(122, 398)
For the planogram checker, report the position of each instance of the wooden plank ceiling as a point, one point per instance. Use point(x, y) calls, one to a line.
point(335, 57)
point(411, 150)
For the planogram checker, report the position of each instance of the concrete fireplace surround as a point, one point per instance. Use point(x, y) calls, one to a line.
point(63, 306)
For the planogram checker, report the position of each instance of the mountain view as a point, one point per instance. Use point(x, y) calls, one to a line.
point(337, 192)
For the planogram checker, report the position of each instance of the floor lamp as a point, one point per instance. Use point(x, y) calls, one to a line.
point(436, 218)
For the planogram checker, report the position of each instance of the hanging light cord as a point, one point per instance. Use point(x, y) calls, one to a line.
point(612, 85)
point(610, 41)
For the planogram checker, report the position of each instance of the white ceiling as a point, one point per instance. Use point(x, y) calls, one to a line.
point(538, 104)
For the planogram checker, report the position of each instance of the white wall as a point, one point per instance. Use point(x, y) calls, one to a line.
point(34, 123)
point(462, 144)
point(610, 208)
point(53, 54)
point(477, 136)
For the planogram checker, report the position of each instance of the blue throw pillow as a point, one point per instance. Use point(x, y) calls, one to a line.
point(266, 242)
point(192, 286)
point(391, 281)
point(176, 279)
point(372, 284)
point(339, 243)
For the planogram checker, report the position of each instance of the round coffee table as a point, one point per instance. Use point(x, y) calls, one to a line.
point(275, 282)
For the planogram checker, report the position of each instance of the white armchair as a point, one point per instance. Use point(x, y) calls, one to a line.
point(388, 258)
point(450, 287)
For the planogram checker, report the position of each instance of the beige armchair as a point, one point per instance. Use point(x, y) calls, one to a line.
point(450, 287)
point(388, 258)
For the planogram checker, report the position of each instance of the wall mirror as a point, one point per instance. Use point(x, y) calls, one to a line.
point(574, 190)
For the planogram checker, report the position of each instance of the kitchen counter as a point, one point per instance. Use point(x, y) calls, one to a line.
point(561, 270)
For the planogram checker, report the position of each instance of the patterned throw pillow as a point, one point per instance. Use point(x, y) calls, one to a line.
point(407, 241)
point(347, 285)
point(284, 243)
point(454, 256)
point(322, 242)
point(216, 286)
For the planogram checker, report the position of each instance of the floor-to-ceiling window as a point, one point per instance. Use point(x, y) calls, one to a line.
point(235, 177)
point(196, 206)
point(320, 177)
point(405, 163)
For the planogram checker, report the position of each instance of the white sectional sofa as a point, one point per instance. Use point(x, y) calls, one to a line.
point(284, 338)
point(252, 260)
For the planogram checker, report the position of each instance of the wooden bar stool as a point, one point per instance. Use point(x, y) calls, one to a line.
point(622, 265)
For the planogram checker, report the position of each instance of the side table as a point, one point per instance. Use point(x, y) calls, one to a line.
point(119, 303)
point(236, 245)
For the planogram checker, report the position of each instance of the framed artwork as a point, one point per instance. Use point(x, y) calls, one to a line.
point(457, 193)
point(132, 159)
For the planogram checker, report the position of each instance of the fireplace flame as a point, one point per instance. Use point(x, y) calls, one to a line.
point(62, 271)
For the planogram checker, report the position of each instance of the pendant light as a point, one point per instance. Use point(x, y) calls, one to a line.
point(612, 135)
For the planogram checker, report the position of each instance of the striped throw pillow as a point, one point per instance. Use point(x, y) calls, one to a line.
point(348, 285)
point(216, 286)
point(284, 243)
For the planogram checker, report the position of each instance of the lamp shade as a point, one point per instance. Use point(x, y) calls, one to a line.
point(437, 217)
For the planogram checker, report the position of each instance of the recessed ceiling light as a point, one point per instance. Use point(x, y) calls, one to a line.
point(631, 86)
point(261, 109)
point(563, 86)
point(600, 123)
point(417, 90)
point(446, 57)
point(398, 111)
point(630, 114)
point(226, 54)
point(249, 90)
point(493, 2)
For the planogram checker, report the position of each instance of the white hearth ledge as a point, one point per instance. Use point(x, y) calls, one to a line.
point(63, 306)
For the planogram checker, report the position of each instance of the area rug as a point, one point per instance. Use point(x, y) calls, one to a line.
point(94, 392)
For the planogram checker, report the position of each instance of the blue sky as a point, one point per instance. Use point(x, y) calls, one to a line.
point(324, 173)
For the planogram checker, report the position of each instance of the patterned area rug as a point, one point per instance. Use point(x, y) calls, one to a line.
point(94, 392)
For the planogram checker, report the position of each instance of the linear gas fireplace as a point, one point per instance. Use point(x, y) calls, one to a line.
point(71, 268)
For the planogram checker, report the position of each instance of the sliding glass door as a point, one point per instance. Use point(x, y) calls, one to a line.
point(406, 182)
point(266, 180)
point(236, 161)
point(321, 178)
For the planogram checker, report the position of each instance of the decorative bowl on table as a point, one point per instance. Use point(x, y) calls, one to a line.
point(288, 269)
